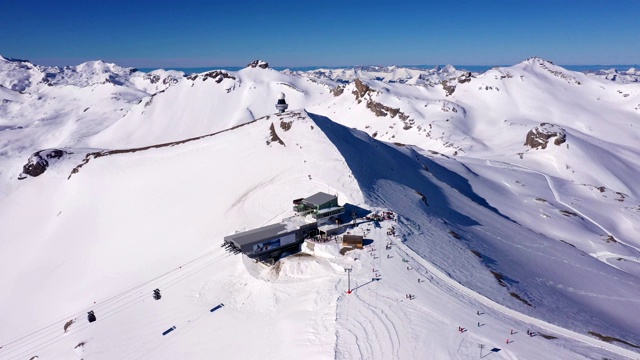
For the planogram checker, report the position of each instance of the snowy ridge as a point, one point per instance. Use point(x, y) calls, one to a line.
point(23, 76)
point(386, 74)
point(148, 184)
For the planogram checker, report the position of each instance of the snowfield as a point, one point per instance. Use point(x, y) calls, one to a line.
point(513, 193)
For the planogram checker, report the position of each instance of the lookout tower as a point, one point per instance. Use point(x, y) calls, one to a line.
point(281, 105)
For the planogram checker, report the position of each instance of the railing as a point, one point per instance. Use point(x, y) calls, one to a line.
point(303, 212)
point(323, 215)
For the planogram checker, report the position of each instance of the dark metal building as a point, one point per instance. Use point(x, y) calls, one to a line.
point(269, 242)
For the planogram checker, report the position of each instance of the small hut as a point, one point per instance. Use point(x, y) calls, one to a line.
point(354, 241)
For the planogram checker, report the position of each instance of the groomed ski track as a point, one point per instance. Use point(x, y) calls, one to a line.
point(448, 284)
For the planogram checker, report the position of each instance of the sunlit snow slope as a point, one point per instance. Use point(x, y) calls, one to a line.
point(515, 194)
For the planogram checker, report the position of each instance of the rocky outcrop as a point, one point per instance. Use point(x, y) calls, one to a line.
point(538, 137)
point(448, 89)
point(465, 78)
point(273, 136)
point(216, 75)
point(361, 90)
point(383, 110)
point(39, 162)
point(258, 63)
point(553, 69)
point(338, 90)
point(449, 86)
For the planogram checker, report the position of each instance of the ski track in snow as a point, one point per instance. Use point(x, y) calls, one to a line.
point(558, 198)
point(374, 337)
point(390, 332)
point(555, 193)
point(468, 293)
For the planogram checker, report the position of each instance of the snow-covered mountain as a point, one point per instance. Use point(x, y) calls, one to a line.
point(631, 75)
point(515, 194)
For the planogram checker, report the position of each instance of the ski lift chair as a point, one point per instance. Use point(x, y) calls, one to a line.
point(91, 316)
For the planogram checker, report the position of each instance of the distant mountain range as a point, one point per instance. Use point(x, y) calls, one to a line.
point(518, 183)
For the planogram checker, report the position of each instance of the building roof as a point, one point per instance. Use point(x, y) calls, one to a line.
point(286, 226)
point(319, 198)
point(352, 238)
point(256, 235)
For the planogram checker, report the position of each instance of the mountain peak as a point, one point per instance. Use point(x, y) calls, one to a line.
point(258, 63)
point(535, 60)
point(8, 59)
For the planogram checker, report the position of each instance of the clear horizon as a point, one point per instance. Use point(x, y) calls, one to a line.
point(293, 34)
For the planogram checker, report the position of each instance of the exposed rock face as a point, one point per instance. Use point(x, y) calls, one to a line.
point(338, 90)
point(449, 86)
point(274, 136)
point(286, 125)
point(216, 75)
point(361, 90)
point(448, 89)
point(539, 136)
point(553, 69)
point(383, 110)
point(465, 78)
point(153, 78)
point(258, 63)
point(39, 162)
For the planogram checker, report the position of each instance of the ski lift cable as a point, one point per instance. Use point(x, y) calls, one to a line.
point(51, 341)
point(56, 337)
point(53, 328)
point(188, 274)
point(102, 317)
point(9, 343)
point(183, 327)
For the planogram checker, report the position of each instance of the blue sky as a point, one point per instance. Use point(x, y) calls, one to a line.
point(309, 33)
